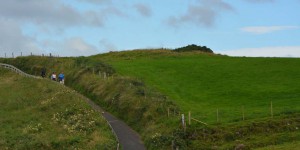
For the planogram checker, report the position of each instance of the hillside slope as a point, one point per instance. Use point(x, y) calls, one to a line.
point(40, 114)
point(141, 88)
point(204, 84)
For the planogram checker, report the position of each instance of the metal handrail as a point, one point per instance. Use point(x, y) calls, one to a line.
point(15, 69)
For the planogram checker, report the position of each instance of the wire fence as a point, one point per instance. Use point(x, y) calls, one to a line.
point(221, 115)
point(21, 54)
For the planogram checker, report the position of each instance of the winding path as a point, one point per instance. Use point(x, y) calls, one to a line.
point(128, 138)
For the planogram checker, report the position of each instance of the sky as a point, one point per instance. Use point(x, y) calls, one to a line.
point(254, 28)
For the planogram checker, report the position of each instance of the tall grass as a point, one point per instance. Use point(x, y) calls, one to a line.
point(40, 114)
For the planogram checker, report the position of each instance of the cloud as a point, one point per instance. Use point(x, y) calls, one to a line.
point(288, 51)
point(13, 40)
point(76, 47)
point(260, 1)
point(44, 17)
point(267, 29)
point(143, 9)
point(96, 1)
point(107, 45)
point(53, 14)
point(204, 13)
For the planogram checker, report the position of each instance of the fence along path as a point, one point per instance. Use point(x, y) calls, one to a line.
point(13, 68)
point(128, 138)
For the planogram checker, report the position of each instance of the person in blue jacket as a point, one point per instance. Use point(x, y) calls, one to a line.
point(61, 78)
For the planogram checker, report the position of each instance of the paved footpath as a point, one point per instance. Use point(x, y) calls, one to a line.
point(129, 139)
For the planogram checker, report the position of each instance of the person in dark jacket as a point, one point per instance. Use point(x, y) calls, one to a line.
point(43, 73)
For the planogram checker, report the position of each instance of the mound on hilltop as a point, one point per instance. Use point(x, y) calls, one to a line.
point(194, 47)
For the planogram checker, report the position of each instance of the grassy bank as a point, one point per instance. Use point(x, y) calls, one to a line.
point(40, 114)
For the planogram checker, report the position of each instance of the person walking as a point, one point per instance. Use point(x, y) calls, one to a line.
point(53, 76)
point(61, 78)
point(43, 73)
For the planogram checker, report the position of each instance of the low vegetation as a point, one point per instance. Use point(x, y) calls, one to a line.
point(194, 47)
point(40, 114)
point(288, 146)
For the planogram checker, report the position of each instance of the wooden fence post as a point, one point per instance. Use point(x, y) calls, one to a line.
point(145, 93)
point(172, 144)
point(189, 118)
point(243, 111)
point(271, 110)
point(217, 115)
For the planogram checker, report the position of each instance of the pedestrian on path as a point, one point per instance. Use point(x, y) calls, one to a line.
point(53, 76)
point(43, 73)
point(61, 78)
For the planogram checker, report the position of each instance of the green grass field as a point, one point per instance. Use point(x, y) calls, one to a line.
point(285, 146)
point(203, 83)
point(41, 114)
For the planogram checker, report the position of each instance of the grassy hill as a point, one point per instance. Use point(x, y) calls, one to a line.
point(40, 114)
point(140, 86)
point(204, 83)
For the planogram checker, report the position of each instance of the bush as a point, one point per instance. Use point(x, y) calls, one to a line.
point(194, 47)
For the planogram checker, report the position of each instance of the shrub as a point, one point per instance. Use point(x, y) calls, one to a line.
point(194, 47)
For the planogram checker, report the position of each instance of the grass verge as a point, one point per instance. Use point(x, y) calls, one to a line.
point(40, 114)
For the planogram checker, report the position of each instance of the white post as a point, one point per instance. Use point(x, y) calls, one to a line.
point(182, 119)
point(104, 75)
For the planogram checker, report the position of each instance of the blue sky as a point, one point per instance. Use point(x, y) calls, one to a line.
point(265, 28)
